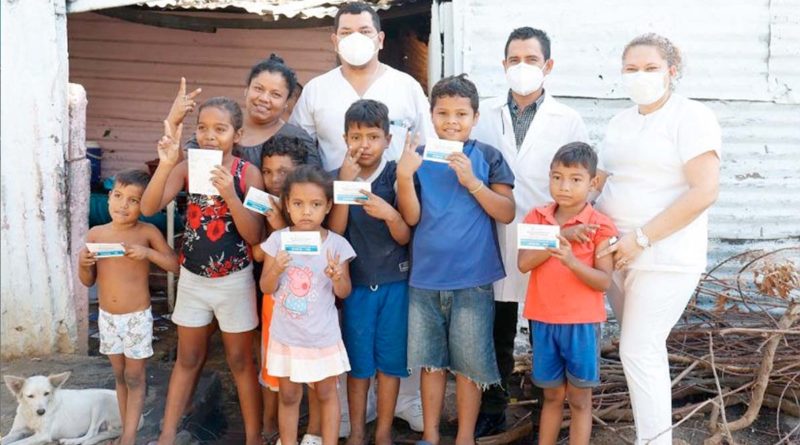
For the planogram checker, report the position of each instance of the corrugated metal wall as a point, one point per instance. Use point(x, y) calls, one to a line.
point(131, 74)
point(743, 60)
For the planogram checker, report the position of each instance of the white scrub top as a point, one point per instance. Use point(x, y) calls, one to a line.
point(554, 125)
point(325, 99)
point(644, 156)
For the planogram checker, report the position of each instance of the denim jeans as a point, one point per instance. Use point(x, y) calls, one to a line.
point(452, 329)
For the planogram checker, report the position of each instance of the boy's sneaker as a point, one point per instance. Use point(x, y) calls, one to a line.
point(310, 439)
point(489, 424)
point(412, 413)
point(344, 420)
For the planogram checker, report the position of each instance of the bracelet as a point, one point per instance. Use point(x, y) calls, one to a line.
point(476, 189)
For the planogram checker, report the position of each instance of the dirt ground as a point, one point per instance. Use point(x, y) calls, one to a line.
point(220, 422)
point(693, 431)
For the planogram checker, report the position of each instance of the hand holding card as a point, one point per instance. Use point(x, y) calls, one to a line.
point(349, 192)
point(537, 236)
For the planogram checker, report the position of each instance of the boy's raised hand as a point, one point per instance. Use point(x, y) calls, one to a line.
point(274, 215)
point(350, 168)
point(462, 165)
point(334, 269)
point(169, 150)
point(183, 104)
point(86, 259)
point(410, 160)
point(377, 207)
point(563, 252)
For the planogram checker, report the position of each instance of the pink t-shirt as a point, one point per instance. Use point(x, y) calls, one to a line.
point(305, 313)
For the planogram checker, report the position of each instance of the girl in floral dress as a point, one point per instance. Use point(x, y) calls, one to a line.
point(216, 278)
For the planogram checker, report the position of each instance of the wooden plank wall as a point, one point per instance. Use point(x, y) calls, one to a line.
point(131, 74)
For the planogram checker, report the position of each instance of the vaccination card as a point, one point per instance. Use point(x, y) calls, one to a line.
point(258, 200)
point(106, 250)
point(349, 192)
point(301, 243)
point(537, 236)
point(437, 150)
point(201, 163)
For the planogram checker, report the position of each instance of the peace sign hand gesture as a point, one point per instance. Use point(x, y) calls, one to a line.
point(169, 150)
point(334, 269)
point(350, 168)
point(183, 104)
point(410, 160)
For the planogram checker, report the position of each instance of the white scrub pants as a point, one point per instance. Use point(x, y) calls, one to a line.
point(647, 305)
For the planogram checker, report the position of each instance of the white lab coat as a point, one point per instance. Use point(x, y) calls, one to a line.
point(553, 126)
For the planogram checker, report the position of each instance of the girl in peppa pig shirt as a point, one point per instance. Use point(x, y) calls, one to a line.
point(305, 343)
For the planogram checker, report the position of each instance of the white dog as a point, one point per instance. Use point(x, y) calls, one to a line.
point(47, 413)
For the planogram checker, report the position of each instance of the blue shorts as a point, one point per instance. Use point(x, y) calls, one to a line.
point(568, 352)
point(375, 329)
point(453, 330)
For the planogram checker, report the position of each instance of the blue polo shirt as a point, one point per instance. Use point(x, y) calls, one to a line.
point(380, 259)
point(455, 243)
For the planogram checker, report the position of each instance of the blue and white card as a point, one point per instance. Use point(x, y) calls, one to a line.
point(349, 192)
point(258, 200)
point(106, 250)
point(537, 236)
point(437, 150)
point(301, 243)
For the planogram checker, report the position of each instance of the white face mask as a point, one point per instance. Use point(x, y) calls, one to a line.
point(524, 79)
point(357, 49)
point(644, 88)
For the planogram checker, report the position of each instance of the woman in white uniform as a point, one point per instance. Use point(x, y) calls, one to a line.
point(662, 158)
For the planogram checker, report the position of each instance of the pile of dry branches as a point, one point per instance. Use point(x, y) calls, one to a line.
point(737, 343)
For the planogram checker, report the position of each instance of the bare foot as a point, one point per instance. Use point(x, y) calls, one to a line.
point(356, 438)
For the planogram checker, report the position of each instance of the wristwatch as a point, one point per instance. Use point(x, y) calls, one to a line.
point(641, 239)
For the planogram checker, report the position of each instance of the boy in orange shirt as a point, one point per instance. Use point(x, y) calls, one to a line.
point(565, 296)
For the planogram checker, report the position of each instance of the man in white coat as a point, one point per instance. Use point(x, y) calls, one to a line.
point(528, 126)
point(320, 110)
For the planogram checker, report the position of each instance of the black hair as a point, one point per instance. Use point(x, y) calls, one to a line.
point(525, 33)
point(369, 113)
point(357, 8)
point(574, 154)
point(456, 86)
point(225, 104)
point(275, 64)
point(302, 175)
point(290, 146)
point(132, 177)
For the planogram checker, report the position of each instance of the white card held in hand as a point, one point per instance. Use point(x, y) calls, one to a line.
point(301, 243)
point(537, 236)
point(106, 250)
point(349, 192)
point(258, 200)
point(201, 163)
point(437, 150)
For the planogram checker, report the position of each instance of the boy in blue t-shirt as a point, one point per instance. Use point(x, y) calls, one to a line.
point(456, 256)
point(375, 315)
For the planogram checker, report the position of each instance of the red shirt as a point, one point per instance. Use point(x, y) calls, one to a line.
point(555, 294)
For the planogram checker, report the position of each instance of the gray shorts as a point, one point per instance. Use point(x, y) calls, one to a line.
point(231, 299)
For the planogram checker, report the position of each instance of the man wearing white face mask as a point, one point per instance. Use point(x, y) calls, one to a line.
point(320, 111)
point(321, 107)
point(528, 126)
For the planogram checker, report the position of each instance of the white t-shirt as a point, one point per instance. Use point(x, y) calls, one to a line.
point(644, 156)
point(321, 107)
